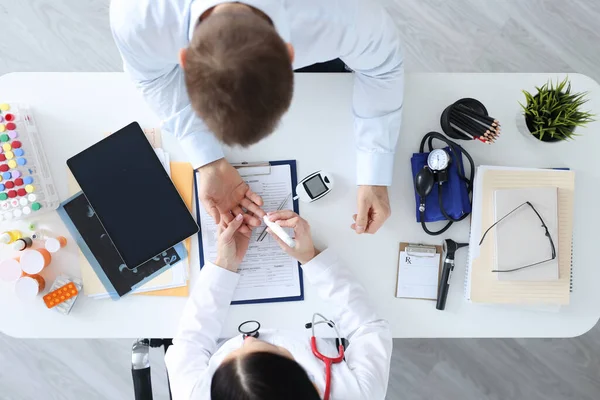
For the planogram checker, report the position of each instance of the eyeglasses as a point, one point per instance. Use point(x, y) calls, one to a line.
point(543, 226)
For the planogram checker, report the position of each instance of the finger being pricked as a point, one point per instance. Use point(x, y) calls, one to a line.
point(254, 198)
point(253, 208)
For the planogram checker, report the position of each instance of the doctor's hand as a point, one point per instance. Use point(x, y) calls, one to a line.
point(305, 249)
point(223, 194)
point(232, 244)
point(373, 209)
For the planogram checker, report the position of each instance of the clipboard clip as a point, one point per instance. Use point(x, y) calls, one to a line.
point(420, 250)
point(252, 168)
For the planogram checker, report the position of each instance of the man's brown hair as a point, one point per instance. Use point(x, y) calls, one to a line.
point(238, 75)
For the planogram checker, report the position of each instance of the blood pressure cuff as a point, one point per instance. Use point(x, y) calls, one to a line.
point(455, 196)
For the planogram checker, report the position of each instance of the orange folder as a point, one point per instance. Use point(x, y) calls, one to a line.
point(182, 175)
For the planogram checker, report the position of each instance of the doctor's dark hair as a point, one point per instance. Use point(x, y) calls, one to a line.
point(238, 75)
point(262, 376)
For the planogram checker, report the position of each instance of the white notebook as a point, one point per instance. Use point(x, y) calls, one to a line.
point(521, 239)
point(483, 286)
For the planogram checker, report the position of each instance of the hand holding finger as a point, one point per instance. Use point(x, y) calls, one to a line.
point(288, 223)
point(226, 218)
point(229, 232)
point(280, 242)
point(281, 214)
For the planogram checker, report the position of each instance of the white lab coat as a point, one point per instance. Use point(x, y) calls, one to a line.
point(195, 355)
point(150, 33)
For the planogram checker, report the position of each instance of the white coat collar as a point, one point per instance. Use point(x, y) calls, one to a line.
point(274, 9)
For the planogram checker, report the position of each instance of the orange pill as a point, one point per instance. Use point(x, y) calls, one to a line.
point(60, 295)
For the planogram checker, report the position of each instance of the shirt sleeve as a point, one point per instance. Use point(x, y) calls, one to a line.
point(199, 329)
point(375, 55)
point(370, 350)
point(160, 80)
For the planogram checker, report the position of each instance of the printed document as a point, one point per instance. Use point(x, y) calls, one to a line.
point(267, 272)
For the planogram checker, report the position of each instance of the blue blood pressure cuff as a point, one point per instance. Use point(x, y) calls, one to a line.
point(455, 193)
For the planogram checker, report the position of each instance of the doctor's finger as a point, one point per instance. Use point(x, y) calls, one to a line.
point(232, 228)
point(289, 223)
point(280, 242)
point(282, 214)
point(249, 221)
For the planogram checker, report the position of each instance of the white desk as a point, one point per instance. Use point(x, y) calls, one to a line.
point(74, 109)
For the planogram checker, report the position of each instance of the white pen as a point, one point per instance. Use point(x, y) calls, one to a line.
point(278, 230)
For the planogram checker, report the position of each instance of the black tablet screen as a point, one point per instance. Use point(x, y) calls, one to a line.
point(132, 195)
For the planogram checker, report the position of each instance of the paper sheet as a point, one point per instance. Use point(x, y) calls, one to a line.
point(266, 272)
point(521, 239)
point(418, 276)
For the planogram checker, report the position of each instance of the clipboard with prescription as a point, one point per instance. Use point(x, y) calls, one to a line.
point(267, 274)
point(419, 271)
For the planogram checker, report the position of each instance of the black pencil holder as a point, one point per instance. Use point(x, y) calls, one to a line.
point(473, 104)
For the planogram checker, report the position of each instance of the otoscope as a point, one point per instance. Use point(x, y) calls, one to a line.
point(449, 247)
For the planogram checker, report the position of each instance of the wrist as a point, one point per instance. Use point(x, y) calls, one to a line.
point(211, 165)
point(226, 265)
point(309, 256)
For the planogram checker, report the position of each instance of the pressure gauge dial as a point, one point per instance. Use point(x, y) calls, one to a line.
point(438, 160)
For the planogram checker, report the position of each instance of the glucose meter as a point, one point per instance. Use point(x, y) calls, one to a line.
point(314, 186)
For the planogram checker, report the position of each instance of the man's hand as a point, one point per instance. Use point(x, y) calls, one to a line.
point(223, 194)
point(232, 244)
point(373, 209)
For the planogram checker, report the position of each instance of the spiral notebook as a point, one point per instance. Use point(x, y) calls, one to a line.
point(481, 285)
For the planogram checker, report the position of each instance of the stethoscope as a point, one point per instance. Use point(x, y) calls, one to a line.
point(251, 329)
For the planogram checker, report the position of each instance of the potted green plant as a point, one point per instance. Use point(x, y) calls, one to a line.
point(553, 113)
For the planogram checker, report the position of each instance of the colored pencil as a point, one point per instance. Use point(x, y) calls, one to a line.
point(475, 114)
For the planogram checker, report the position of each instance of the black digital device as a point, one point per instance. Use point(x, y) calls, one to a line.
point(132, 195)
point(315, 186)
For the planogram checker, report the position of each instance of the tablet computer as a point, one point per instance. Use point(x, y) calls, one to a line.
point(132, 195)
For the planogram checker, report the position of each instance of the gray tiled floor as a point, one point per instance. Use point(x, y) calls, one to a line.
point(439, 35)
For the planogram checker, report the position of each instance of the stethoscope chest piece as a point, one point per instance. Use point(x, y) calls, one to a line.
point(249, 329)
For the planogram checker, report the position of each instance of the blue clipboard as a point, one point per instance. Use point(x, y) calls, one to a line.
point(292, 164)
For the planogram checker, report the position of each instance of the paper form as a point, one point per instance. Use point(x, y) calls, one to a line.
point(418, 276)
point(267, 271)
